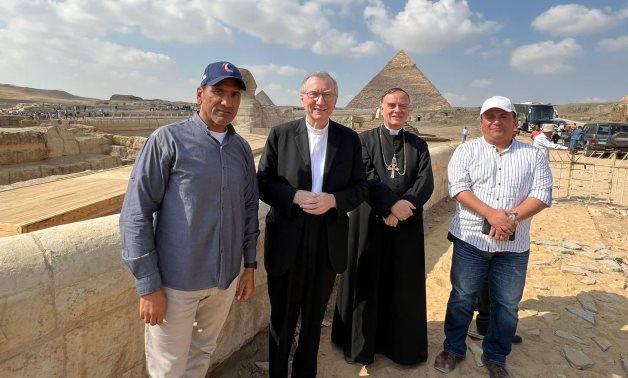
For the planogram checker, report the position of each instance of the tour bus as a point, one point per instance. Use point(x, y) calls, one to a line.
point(530, 113)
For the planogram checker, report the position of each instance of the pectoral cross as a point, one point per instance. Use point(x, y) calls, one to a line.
point(393, 167)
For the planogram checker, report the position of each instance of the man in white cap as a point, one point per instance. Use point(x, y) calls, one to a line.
point(499, 184)
point(543, 141)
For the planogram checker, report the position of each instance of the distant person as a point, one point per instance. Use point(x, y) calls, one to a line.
point(561, 127)
point(311, 174)
point(381, 302)
point(576, 135)
point(543, 141)
point(499, 184)
point(188, 219)
point(536, 131)
point(465, 133)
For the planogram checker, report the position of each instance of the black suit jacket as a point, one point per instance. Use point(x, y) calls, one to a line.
point(285, 168)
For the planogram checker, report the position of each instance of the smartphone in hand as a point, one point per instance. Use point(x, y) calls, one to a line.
point(486, 228)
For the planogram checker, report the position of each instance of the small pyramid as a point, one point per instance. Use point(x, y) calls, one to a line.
point(401, 72)
point(263, 99)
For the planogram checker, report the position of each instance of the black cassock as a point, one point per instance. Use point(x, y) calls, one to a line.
point(381, 305)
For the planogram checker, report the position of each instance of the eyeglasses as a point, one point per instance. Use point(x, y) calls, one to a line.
point(315, 95)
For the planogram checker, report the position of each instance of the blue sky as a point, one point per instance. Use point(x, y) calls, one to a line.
point(550, 51)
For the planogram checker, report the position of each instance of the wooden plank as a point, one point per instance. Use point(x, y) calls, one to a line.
point(49, 204)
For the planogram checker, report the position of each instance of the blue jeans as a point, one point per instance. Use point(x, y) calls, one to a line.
point(506, 273)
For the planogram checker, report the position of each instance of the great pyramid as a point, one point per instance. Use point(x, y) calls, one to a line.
point(400, 72)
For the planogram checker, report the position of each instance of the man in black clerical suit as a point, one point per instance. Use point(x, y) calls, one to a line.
point(381, 302)
point(311, 174)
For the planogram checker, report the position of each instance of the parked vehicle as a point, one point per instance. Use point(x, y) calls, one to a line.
point(531, 113)
point(605, 136)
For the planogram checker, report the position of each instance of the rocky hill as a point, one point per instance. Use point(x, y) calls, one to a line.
point(12, 94)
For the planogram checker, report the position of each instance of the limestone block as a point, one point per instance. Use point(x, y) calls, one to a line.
point(119, 151)
point(440, 159)
point(90, 144)
point(139, 371)
point(121, 140)
point(4, 177)
point(70, 144)
point(50, 170)
point(90, 277)
point(28, 123)
point(70, 147)
point(245, 320)
point(26, 297)
point(41, 359)
point(104, 162)
point(22, 145)
point(54, 142)
point(25, 173)
point(79, 166)
point(108, 347)
point(138, 142)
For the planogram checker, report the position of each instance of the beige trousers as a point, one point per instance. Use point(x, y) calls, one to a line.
point(183, 344)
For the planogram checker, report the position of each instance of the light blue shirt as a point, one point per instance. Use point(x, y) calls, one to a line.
point(190, 211)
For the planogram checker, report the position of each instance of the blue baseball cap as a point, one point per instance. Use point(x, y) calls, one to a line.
point(219, 71)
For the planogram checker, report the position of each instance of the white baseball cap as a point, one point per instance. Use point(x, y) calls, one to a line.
point(500, 102)
point(548, 127)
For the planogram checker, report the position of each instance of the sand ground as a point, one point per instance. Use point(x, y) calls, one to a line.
point(592, 226)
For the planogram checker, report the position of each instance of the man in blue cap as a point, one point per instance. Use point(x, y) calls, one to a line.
point(188, 220)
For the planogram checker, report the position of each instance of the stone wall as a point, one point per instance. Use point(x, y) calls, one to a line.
point(57, 148)
point(11, 120)
point(68, 305)
point(17, 145)
point(130, 126)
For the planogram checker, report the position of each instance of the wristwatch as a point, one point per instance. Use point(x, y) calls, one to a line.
point(513, 217)
point(251, 265)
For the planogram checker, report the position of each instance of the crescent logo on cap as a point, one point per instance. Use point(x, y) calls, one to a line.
point(227, 67)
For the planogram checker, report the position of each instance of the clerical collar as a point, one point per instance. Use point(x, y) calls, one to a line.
point(316, 131)
point(391, 131)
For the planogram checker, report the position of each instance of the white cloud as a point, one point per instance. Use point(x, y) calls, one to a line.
point(264, 71)
point(345, 5)
point(491, 48)
point(612, 45)
point(481, 83)
point(575, 19)
point(66, 45)
point(338, 43)
point(290, 23)
point(546, 57)
point(473, 50)
point(426, 26)
point(593, 99)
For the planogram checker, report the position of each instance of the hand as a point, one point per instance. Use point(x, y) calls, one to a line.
point(402, 209)
point(319, 204)
point(498, 235)
point(501, 226)
point(246, 285)
point(153, 307)
point(302, 196)
point(391, 221)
